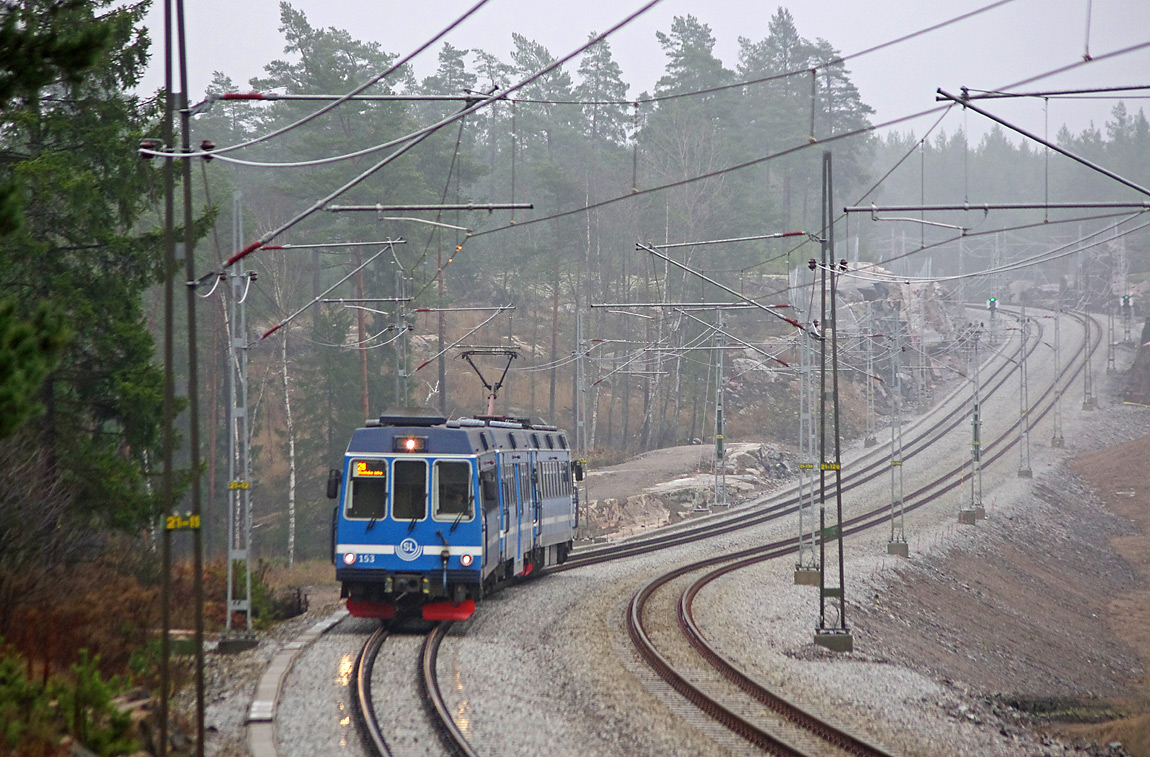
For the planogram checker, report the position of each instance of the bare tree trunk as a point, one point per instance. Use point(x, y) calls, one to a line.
point(554, 337)
point(361, 330)
point(291, 445)
point(441, 325)
point(534, 355)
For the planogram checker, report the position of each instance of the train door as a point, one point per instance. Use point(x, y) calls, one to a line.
point(506, 493)
point(521, 480)
point(492, 527)
point(536, 501)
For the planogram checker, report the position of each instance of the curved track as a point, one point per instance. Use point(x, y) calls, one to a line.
point(364, 708)
point(779, 737)
point(362, 703)
point(869, 466)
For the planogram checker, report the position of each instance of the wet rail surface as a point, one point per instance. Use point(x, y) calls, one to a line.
point(778, 735)
point(374, 738)
point(865, 468)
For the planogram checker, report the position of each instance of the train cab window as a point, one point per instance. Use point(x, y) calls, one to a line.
point(451, 483)
point(535, 441)
point(368, 497)
point(550, 442)
point(409, 495)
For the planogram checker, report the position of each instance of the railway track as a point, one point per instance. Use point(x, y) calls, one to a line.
point(374, 740)
point(866, 468)
point(785, 728)
point(795, 726)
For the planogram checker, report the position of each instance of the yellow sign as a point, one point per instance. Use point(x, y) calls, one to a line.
point(182, 523)
point(831, 466)
point(239, 485)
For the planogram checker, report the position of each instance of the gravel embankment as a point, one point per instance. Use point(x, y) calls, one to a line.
point(547, 668)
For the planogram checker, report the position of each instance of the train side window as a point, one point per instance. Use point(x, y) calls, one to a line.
point(368, 498)
point(409, 495)
point(451, 482)
point(489, 490)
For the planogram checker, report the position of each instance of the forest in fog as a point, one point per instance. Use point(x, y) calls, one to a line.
point(715, 152)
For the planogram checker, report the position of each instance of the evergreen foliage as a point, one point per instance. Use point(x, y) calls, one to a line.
point(544, 147)
point(70, 132)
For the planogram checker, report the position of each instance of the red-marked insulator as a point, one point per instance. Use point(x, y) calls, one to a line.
point(148, 144)
point(242, 96)
point(242, 254)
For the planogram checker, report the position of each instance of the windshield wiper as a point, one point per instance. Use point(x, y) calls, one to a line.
point(458, 518)
point(411, 525)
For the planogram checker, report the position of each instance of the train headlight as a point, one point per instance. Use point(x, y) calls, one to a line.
point(349, 558)
point(465, 561)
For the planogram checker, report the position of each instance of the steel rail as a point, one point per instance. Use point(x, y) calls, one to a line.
point(857, 477)
point(729, 563)
point(362, 705)
point(452, 736)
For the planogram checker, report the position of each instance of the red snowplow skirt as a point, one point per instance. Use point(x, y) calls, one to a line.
point(359, 609)
point(449, 610)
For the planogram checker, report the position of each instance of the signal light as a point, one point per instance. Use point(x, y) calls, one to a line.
point(349, 558)
point(465, 561)
point(812, 264)
point(410, 443)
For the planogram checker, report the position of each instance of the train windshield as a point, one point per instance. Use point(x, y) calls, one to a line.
point(409, 495)
point(368, 489)
point(452, 487)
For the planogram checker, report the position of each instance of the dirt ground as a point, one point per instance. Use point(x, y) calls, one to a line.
point(1119, 479)
point(1047, 616)
point(646, 470)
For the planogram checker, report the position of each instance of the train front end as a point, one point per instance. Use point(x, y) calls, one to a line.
point(406, 538)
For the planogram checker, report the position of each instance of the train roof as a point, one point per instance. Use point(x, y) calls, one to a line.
point(465, 436)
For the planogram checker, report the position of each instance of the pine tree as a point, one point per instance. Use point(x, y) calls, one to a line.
point(69, 145)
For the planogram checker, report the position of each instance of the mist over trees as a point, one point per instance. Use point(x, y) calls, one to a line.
point(718, 150)
point(603, 171)
point(80, 389)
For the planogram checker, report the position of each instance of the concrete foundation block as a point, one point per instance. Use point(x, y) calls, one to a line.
point(967, 517)
point(236, 644)
point(836, 641)
point(807, 576)
point(900, 548)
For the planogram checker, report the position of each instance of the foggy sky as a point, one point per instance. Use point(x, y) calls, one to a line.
point(1022, 39)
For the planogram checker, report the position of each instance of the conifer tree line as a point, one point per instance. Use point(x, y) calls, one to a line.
point(576, 138)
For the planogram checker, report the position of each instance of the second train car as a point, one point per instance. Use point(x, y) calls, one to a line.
point(434, 514)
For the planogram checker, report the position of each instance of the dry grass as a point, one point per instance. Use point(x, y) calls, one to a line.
point(303, 573)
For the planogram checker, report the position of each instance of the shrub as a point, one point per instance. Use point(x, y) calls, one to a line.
point(34, 717)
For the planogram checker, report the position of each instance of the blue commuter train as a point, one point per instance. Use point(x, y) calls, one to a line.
point(434, 514)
